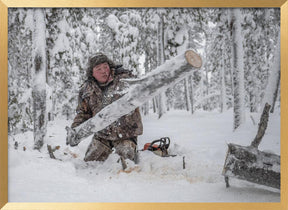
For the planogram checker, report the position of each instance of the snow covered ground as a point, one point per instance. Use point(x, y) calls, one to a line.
point(202, 138)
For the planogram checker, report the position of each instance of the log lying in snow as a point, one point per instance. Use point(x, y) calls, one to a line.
point(138, 92)
point(250, 164)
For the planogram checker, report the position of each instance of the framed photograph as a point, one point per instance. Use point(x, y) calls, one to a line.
point(143, 104)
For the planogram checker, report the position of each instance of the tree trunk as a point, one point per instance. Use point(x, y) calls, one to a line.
point(187, 102)
point(154, 105)
point(273, 85)
point(238, 69)
point(190, 78)
point(39, 87)
point(161, 105)
point(191, 94)
point(223, 87)
point(160, 60)
point(201, 84)
point(275, 95)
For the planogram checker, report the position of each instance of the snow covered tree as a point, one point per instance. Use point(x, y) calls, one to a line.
point(53, 16)
point(39, 80)
point(68, 57)
point(273, 86)
point(193, 19)
point(260, 33)
point(219, 59)
point(255, 56)
point(177, 40)
point(124, 26)
point(238, 68)
point(161, 99)
point(19, 71)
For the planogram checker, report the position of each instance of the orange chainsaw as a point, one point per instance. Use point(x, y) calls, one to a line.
point(159, 147)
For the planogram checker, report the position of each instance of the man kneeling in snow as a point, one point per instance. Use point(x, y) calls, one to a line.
point(102, 87)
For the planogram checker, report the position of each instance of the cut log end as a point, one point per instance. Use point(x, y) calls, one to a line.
point(193, 58)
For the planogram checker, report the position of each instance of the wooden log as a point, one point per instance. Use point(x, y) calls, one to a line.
point(250, 164)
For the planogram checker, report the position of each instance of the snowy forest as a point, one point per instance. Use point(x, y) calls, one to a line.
point(48, 52)
point(140, 39)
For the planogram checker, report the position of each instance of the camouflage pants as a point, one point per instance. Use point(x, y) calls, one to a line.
point(99, 149)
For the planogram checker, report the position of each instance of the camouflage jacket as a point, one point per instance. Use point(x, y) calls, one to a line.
point(92, 98)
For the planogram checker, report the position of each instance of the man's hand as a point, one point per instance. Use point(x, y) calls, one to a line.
point(71, 137)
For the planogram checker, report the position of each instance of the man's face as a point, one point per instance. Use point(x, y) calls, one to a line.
point(101, 72)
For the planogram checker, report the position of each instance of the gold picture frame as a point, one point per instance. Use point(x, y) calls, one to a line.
point(5, 4)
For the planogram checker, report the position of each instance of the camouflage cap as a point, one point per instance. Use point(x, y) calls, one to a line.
point(97, 59)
